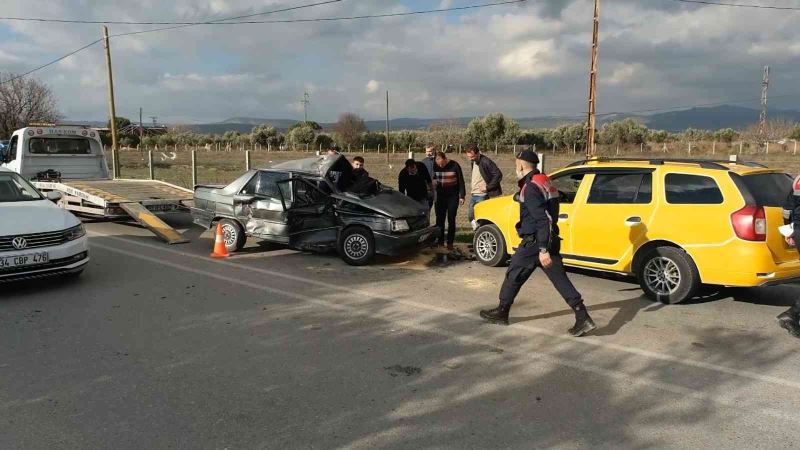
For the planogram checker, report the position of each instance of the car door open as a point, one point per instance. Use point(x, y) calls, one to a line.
point(311, 215)
point(260, 207)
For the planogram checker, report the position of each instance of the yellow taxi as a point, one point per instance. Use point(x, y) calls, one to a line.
point(674, 224)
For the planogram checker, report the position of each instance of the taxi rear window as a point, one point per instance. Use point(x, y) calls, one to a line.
point(60, 146)
point(768, 189)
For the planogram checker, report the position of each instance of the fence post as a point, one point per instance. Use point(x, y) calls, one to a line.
point(363, 148)
point(515, 149)
point(641, 147)
point(495, 148)
point(194, 168)
point(394, 148)
point(247, 160)
point(379, 148)
point(741, 144)
point(795, 146)
point(714, 148)
point(306, 147)
point(540, 166)
point(574, 148)
point(690, 148)
point(459, 149)
point(768, 147)
point(150, 164)
point(617, 150)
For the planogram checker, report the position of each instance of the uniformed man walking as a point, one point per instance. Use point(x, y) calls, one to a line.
point(789, 320)
point(540, 246)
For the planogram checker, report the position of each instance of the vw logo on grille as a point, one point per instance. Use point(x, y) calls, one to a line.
point(19, 243)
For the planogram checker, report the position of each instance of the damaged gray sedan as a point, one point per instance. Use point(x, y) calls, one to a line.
point(313, 205)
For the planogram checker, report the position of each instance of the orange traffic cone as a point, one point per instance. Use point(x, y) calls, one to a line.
point(219, 244)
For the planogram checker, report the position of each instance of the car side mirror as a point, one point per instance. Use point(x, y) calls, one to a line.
point(54, 196)
point(243, 198)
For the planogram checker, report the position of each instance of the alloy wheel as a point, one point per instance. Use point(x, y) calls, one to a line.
point(662, 275)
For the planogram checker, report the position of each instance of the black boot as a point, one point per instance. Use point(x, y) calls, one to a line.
point(497, 315)
point(789, 322)
point(583, 323)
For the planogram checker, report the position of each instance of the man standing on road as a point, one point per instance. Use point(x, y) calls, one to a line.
point(540, 246)
point(789, 320)
point(485, 181)
point(414, 182)
point(430, 162)
point(450, 194)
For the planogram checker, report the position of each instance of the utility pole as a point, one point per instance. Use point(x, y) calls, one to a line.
point(141, 126)
point(590, 147)
point(111, 108)
point(387, 127)
point(305, 103)
point(154, 120)
point(762, 120)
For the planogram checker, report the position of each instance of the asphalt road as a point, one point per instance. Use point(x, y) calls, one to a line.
point(162, 347)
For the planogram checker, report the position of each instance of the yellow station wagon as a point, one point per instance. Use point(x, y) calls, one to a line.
point(673, 224)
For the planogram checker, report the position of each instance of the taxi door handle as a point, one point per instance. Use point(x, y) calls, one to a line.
point(633, 221)
point(563, 217)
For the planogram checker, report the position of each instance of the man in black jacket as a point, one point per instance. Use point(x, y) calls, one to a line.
point(789, 320)
point(414, 182)
point(540, 246)
point(485, 180)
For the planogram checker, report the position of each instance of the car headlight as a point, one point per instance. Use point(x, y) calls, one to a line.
point(400, 225)
point(75, 233)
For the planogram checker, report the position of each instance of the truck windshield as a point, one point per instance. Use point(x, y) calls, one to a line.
point(60, 146)
point(13, 188)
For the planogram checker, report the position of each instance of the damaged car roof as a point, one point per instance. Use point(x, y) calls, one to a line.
point(318, 165)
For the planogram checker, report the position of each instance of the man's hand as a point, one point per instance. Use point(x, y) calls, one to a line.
point(545, 259)
point(461, 202)
point(790, 240)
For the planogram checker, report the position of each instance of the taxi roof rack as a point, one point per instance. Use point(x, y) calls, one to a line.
point(719, 164)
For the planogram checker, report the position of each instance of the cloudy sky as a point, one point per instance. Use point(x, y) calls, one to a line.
point(525, 60)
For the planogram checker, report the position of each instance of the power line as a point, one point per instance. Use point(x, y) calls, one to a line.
point(61, 58)
point(229, 21)
point(321, 19)
point(739, 5)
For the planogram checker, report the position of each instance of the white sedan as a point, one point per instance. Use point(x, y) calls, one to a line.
point(37, 238)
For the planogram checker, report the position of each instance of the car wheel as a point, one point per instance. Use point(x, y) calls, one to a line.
point(357, 246)
point(489, 246)
point(233, 235)
point(668, 275)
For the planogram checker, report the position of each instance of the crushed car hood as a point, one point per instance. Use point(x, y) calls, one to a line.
point(388, 202)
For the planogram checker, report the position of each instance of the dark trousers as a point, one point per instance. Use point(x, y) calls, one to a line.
point(524, 263)
point(446, 208)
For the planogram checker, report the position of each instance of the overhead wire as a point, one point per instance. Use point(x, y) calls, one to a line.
point(739, 5)
point(223, 22)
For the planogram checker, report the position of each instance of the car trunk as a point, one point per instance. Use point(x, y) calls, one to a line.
point(769, 191)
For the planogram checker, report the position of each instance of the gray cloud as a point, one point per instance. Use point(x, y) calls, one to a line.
point(525, 60)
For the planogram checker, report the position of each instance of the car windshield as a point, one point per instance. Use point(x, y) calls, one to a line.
point(13, 188)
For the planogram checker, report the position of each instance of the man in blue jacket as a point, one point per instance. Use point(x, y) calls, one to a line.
point(540, 246)
point(789, 320)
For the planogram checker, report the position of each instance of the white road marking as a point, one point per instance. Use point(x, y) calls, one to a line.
point(583, 340)
point(467, 339)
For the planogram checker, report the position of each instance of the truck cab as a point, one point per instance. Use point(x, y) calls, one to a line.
point(72, 152)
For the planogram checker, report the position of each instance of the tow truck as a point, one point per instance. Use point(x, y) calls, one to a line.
point(70, 159)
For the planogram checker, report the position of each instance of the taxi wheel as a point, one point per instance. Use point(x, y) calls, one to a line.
point(357, 246)
point(489, 246)
point(668, 275)
point(233, 235)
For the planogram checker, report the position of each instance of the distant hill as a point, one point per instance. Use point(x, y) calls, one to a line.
point(712, 118)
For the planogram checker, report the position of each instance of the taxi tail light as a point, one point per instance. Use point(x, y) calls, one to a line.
point(750, 223)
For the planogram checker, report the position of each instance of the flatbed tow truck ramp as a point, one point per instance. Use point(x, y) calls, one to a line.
point(121, 199)
point(70, 159)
